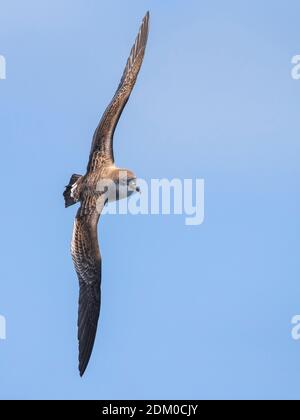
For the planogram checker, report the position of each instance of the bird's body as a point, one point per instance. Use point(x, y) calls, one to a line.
point(103, 182)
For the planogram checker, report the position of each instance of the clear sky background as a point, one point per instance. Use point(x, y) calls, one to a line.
point(188, 312)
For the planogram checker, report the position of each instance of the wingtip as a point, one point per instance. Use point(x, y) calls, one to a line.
point(146, 24)
point(81, 370)
point(146, 18)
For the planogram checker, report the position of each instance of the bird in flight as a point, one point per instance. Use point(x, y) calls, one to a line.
point(119, 183)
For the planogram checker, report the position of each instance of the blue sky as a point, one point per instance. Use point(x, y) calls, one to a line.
point(188, 312)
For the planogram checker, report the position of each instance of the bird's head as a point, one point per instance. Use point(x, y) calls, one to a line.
point(126, 183)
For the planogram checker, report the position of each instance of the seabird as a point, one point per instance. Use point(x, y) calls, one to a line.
point(85, 190)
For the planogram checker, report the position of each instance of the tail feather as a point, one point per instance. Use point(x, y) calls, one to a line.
point(69, 200)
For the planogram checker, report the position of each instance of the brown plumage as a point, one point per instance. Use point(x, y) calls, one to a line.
point(102, 182)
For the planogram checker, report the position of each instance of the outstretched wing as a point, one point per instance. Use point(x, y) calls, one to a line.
point(87, 260)
point(102, 146)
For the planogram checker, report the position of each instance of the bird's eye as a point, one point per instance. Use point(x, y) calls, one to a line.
point(132, 182)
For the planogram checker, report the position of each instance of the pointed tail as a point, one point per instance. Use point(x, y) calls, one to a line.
point(69, 200)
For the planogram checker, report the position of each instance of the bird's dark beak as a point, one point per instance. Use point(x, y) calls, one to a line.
point(138, 190)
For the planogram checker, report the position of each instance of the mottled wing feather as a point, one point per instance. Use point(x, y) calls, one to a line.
point(102, 146)
point(87, 260)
